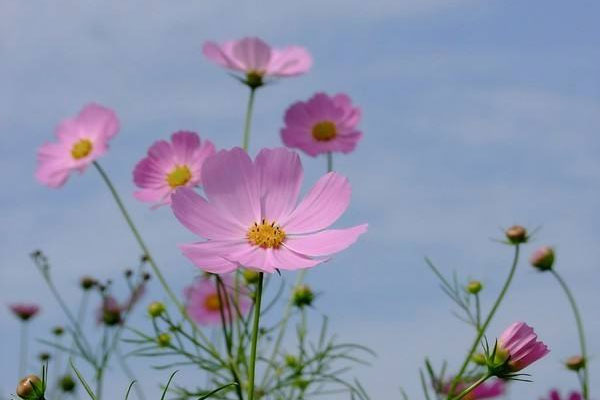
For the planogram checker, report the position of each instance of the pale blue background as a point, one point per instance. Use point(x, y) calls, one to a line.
point(477, 115)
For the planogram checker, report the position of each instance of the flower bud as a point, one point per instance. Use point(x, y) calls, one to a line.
point(145, 258)
point(479, 359)
point(67, 384)
point(543, 258)
point(303, 296)
point(301, 384)
point(43, 357)
point(575, 363)
point(474, 287)
point(156, 309)
point(516, 234)
point(128, 273)
point(31, 388)
point(291, 361)
point(58, 331)
point(146, 276)
point(87, 282)
point(251, 276)
point(163, 340)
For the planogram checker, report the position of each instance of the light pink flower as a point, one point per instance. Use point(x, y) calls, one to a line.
point(251, 219)
point(203, 303)
point(170, 165)
point(81, 140)
point(252, 56)
point(24, 311)
point(555, 395)
point(486, 390)
point(519, 343)
point(322, 124)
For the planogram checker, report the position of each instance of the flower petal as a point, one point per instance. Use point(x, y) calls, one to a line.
point(184, 145)
point(222, 54)
point(289, 61)
point(210, 255)
point(286, 259)
point(97, 121)
point(326, 242)
point(252, 53)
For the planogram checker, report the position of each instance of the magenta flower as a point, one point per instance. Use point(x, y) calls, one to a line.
point(170, 165)
point(24, 311)
point(256, 58)
point(81, 140)
point(486, 390)
point(251, 219)
point(555, 395)
point(203, 303)
point(322, 124)
point(519, 344)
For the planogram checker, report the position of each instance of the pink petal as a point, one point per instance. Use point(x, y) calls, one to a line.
point(280, 173)
point(53, 165)
point(252, 53)
point(287, 259)
point(231, 184)
point(222, 55)
point(297, 116)
point(202, 218)
point(210, 256)
point(289, 62)
point(326, 242)
point(161, 195)
point(184, 145)
point(321, 207)
point(98, 121)
point(148, 173)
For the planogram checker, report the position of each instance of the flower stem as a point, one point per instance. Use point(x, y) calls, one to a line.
point(248, 120)
point(329, 161)
point(486, 323)
point(585, 381)
point(255, 328)
point(472, 387)
point(23, 350)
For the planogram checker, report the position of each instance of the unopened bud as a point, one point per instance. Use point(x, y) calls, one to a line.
point(87, 282)
point(301, 384)
point(146, 276)
point(31, 388)
point(303, 296)
point(128, 273)
point(67, 384)
point(479, 359)
point(474, 287)
point(58, 331)
point(516, 234)
point(145, 258)
point(291, 361)
point(543, 258)
point(251, 276)
point(43, 357)
point(163, 340)
point(156, 309)
point(575, 363)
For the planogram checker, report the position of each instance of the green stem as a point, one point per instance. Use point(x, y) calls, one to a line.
point(23, 350)
point(255, 328)
point(486, 322)
point(585, 381)
point(248, 120)
point(138, 237)
point(329, 161)
point(472, 387)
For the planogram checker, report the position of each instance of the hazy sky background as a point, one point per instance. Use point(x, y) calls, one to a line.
point(477, 115)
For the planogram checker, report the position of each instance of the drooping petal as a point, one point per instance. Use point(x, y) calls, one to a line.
point(211, 256)
point(287, 259)
point(222, 55)
point(322, 206)
point(289, 61)
point(53, 165)
point(252, 53)
point(326, 242)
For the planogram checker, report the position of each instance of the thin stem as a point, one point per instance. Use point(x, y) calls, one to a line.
point(23, 350)
point(329, 161)
point(248, 120)
point(130, 376)
point(585, 381)
point(486, 323)
point(472, 387)
point(478, 310)
point(255, 328)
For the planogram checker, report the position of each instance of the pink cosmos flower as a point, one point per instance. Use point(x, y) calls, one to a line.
point(81, 140)
point(519, 343)
point(24, 311)
point(322, 124)
point(170, 165)
point(251, 219)
point(486, 390)
point(555, 395)
point(203, 303)
point(256, 58)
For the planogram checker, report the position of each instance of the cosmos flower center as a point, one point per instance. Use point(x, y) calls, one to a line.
point(179, 176)
point(212, 302)
point(267, 235)
point(324, 131)
point(81, 149)
point(254, 78)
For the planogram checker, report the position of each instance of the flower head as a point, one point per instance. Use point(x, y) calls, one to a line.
point(486, 390)
point(204, 298)
point(24, 311)
point(171, 165)
point(543, 258)
point(516, 234)
point(518, 347)
point(256, 59)
point(81, 140)
point(322, 124)
point(555, 395)
point(251, 219)
point(31, 388)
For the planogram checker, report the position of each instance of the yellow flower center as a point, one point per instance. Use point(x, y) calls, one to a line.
point(324, 131)
point(81, 149)
point(266, 235)
point(212, 302)
point(179, 176)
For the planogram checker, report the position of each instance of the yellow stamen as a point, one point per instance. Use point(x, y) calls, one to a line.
point(324, 131)
point(266, 235)
point(212, 302)
point(81, 149)
point(179, 176)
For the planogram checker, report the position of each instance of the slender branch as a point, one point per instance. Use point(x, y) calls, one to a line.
point(255, 329)
point(472, 387)
point(248, 119)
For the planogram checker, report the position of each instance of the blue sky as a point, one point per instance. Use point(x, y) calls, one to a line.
point(477, 115)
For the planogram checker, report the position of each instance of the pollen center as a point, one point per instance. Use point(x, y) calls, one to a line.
point(81, 149)
point(267, 235)
point(179, 176)
point(324, 131)
point(212, 302)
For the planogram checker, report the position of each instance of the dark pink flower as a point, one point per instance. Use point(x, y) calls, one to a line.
point(519, 343)
point(81, 140)
point(555, 395)
point(171, 165)
point(24, 311)
point(322, 124)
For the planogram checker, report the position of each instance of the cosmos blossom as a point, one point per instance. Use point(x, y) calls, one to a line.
point(251, 217)
point(486, 390)
point(170, 165)
point(322, 124)
point(519, 343)
point(81, 140)
point(257, 59)
point(555, 395)
point(203, 301)
point(24, 311)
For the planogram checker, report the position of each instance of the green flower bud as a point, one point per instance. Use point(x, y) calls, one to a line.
point(67, 384)
point(31, 388)
point(156, 309)
point(543, 258)
point(479, 359)
point(163, 340)
point(43, 357)
point(303, 296)
point(291, 361)
point(575, 363)
point(516, 234)
point(87, 282)
point(301, 384)
point(474, 287)
point(58, 331)
point(251, 276)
